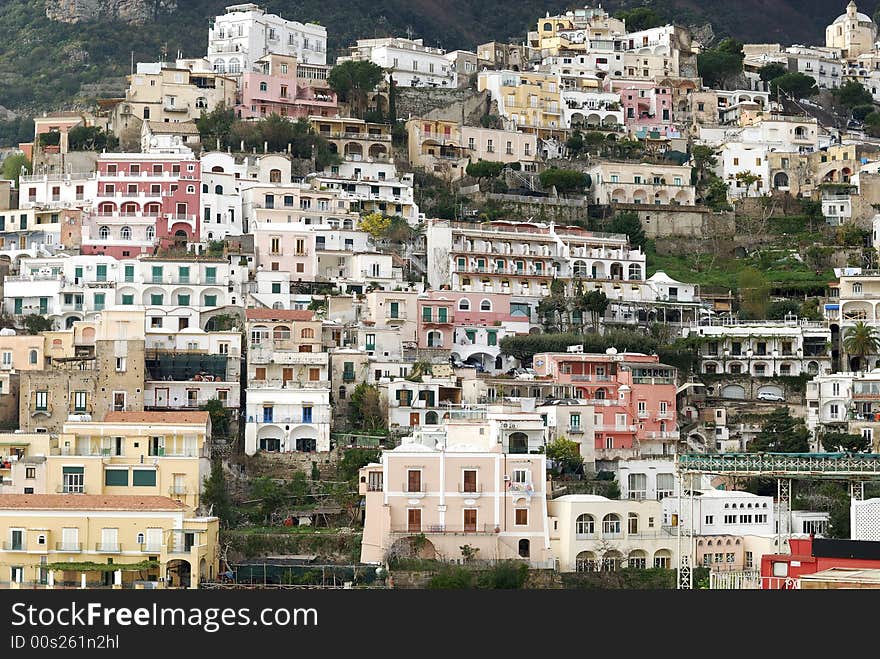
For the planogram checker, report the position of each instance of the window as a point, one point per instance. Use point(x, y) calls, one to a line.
point(485, 305)
point(632, 523)
point(414, 480)
point(750, 560)
point(520, 475)
point(585, 525)
point(710, 519)
point(41, 401)
point(127, 300)
point(143, 478)
point(611, 525)
point(30, 473)
point(521, 517)
point(638, 486)
point(73, 480)
point(80, 399)
point(116, 477)
point(469, 480)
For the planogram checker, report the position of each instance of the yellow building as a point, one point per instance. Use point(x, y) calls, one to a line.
point(133, 453)
point(152, 539)
point(852, 32)
point(528, 101)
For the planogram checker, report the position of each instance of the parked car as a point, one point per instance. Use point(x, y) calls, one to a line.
point(770, 396)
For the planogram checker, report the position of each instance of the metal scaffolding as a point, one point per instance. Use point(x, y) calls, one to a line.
point(856, 468)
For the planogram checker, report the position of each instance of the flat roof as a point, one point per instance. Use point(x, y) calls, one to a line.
point(199, 417)
point(87, 502)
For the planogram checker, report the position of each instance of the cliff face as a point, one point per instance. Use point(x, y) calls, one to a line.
point(136, 12)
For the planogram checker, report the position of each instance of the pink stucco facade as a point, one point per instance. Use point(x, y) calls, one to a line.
point(280, 249)
point(646, 106)
point(634, 393)
point(139, 191)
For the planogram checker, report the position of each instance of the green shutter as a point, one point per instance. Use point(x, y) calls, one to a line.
point(116, 477)
point(78, 272)
point(128, 300)
point(471, 335)
point(99, 301)
point(426, 313)
point(183, 300)
point(441, 313)
point(72, 470)
point(102, 273)
point(129, 273)
point(143, 478)
point(210, 300)
point(156, 298)
point(18, 306)
point(492, 338)
point(276, 287)
point(157, 273)
point(211, 275)
point(183, 273)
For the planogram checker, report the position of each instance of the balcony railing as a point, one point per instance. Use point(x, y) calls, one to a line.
point(178, 490)
point(474, 490)
point(152, 548)
point(14, 546)
point(446, 529)
point(419, 490)
point(108, 547)
point(72, 547)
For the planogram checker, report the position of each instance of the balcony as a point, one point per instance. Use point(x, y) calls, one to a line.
point(69, 547)
point(108, 547)
point(575, 430)
point(178, 490)
point(14, 546)
point(447, 529)
point(471, 491)
point(419, 491)
point(176, 108)
point(71, 489)
point(151, 548)
point(182, 549)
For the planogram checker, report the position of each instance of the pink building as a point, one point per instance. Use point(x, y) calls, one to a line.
point(286, 248)
point(436, 320)
point(143, 199)
point(633, 394)
point(275, 88)
point(645, 105)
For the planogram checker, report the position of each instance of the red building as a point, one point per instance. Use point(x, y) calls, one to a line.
point(811, 555)
point(633, 395)
point(143, 200)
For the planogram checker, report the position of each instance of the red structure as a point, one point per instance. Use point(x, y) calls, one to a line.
point(811, 555)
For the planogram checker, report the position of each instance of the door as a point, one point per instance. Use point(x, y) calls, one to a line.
point(189, 539)
point(154, 540)
point(470, 521)
point(470, 481)
point(413, 418)
point(395, 310)
point(414, 481)
point(70, 539)
point(109, 538)
point(414, 520)
point(179, 484)
point(161, 397)
point(15, 537)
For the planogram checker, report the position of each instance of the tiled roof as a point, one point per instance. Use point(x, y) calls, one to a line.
point(157, 417)
point(87, 502)
point(280, 314)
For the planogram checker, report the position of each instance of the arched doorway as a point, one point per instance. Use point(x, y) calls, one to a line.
point(177, 573)
point(518, 442)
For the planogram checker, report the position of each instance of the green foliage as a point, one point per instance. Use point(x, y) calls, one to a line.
point(270, 494)
point(860, 112)
point(375, 224)
point(34, 324)
point(216, 496)
point(781, 433)
point(365, 414)
point(353, 80)
point(12, 167)
point(88, 566)
point(849, 234)
point(834, 442)
point(861, 340)
point(216, 125)
point(622, 579)
point(90, 138)
point(352, 460)
point(501, 575)
point(795, 84)
point(772, 71)
point(566, 455)
point(852, 94)
point(452, 577)
point(484, 169)
point(220, 417)
point(490, 121)
point(52, 138)
point(523, 347)
point(754, 289)
point(575, 143)
point(640, 18)
point(564, 180)
point(15, 131)
point(715, 195)
point(778, 309)
point(721, 63)
point(628, 222)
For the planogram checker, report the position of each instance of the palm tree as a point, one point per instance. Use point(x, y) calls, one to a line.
point(860, 341)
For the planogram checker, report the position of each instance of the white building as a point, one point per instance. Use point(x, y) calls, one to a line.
point(723, 512)
point(222, 213)
point(821, 64)
point(57, 190)
point(764, 348)
point(409, 61)
point(245, 33)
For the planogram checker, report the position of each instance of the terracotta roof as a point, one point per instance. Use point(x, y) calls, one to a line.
point(280, 314)
point(87, 502)
point(157, 417)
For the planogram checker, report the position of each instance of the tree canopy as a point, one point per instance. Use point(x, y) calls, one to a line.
point(795, 84)
point(353, 80)
point(721, 63)
point(851, 94)
point(564, 180)
point(13, 164)
point(782, 433)
point(628, 222)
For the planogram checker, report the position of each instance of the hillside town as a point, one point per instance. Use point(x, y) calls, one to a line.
point(594, 309)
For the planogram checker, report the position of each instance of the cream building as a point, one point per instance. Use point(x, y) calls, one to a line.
point(528, 101)
point(641, 183)
point(41, 533)
point(467, 492)
point(852, 32)
point(163, 454)
point(591, 533)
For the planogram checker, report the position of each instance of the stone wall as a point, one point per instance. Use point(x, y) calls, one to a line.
point(680, 221)
point(462, 105)
point(542, 209)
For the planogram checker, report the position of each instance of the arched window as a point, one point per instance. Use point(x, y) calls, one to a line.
point(140, 538)
point(125, 233)
point(524, 549)
point(234, 66)
point(611, 524)
point(662, 558)
point(635, 271)
point(435, 339)
point(585, 525)
point(218, 189)
point(151, 233)
point(431, 419)
point(204, 188)
point(485, 305)
point(341, 393)
point(307, 333)
point(585, 562)
point(637, 559)
point(33, 357)
point(275, 176)
point(220, 66)
point(518, 442)
point(264, 87)
point(464, 304)
point(104, 233)
point(611, 561)
point(281, 333)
